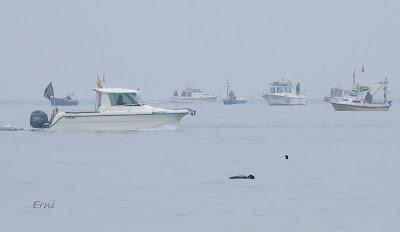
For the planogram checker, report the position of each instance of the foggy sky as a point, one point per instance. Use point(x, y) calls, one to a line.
point(160, 46)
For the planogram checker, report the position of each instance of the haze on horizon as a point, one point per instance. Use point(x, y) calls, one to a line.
point(160, 46)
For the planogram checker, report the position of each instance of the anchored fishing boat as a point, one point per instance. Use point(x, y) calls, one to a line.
point(116, 109)
point(192, 95)
point(231, 98)
point(283, 93)
point(361, 99)
point(66, 101)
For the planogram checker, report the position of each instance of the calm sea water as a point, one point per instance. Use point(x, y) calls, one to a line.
point(343, 172)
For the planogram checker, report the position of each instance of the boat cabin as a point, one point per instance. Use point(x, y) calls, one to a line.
point(116, 97)
point(359, 91)
point(281, 88)
point(189, 91)
point(337, 92)
point(357, 94)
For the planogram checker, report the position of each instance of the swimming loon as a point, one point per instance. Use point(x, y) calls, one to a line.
point(242, 177)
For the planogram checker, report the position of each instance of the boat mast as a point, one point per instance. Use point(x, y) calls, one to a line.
point(227, 89)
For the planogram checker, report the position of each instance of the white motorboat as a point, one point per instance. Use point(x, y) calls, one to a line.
point(360, 99)
point(116, 109)
point(193, 95)
point(283, 93)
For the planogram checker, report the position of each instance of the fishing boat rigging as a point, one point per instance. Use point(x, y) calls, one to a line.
point(361, 97)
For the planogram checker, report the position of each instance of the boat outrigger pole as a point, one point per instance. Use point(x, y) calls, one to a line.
point(383, 84)
point(385, 89)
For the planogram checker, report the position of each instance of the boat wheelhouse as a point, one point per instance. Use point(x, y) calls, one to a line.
point(335, 92)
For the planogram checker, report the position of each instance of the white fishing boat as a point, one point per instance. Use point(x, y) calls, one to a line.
point(283, 93)
point(116, 109)
point(361, 99)
point(192, 95)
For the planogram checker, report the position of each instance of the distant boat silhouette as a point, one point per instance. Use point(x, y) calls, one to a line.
point(66, 101)
point(192, 94)
point(231, 97)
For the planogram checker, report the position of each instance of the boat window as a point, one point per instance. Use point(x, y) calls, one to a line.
point(354, 93)
point(272, 90)
point(279, 89)
point(186, 93)
point(127, 99)
point(288, 90)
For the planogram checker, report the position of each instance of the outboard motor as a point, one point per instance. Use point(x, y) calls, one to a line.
point(39, 119)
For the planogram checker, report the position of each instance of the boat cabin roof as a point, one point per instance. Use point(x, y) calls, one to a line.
point(109, 98)
point(277, 83)
point(115, 90)
point(195, 90)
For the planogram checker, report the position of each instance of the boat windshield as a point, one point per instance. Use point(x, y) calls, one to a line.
point(288, 90)
point(186, 93)
point(272, 90)
point(125, 99)
point(354, 93)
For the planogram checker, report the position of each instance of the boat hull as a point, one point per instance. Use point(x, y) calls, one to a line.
point(352, 107)
point(114, 122)
point(233, 102)
point(285, 100)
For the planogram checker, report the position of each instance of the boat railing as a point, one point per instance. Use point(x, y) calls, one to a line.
point(191, 111)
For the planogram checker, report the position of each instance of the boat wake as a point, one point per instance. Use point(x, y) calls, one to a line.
point(8, 127)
